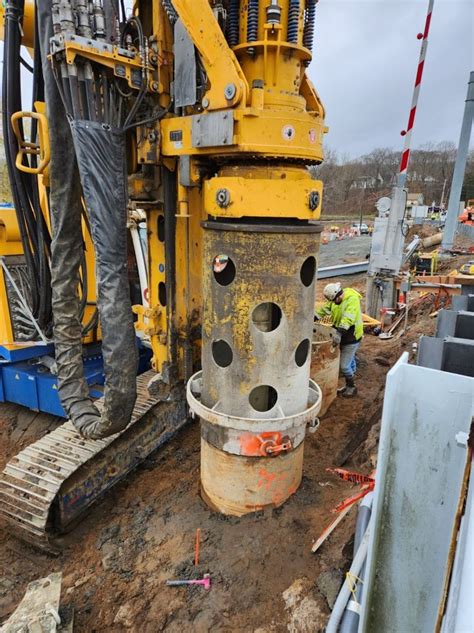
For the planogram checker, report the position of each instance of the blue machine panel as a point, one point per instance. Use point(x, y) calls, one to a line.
point(31, 384)
point(13, 353)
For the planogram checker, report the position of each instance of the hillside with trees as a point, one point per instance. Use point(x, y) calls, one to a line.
point(352, 186)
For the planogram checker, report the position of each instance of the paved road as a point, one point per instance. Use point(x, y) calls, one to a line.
point(344, 251)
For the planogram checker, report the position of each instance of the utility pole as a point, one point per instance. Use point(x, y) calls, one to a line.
point(386, 254)
point(441, 204)
point(459, 169)
point(362, 200)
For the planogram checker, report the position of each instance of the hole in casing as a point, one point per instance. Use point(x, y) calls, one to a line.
point(263, 398)
point(301, 353)
point(308, 271)
point(222, 353)
point(224, 269)
point(267, 316)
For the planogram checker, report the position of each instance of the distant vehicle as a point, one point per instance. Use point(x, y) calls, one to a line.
point(363, 229)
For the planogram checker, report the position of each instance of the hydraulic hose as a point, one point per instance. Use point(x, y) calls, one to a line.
point(34, 235)
point(96, 146)
point(43, 236)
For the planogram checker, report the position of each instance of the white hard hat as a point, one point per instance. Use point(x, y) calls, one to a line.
point(332, 290)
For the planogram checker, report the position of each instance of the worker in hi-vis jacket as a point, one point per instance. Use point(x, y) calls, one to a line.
point(343, 306)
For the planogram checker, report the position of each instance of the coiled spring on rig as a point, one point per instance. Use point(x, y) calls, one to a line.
point(309, 22)
point(293, 20)
point(170, 10)
point(252, 24)
point(232, 26)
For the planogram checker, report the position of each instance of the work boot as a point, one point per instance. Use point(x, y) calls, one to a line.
point(350, 390)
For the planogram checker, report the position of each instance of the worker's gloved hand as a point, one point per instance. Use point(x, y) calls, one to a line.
point(336, 337)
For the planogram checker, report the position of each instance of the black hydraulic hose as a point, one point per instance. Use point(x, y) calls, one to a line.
point(92, 324)
point(11, 103)
point(43, 236)
point(26, 65)
point(34, 232)
point(152, 119)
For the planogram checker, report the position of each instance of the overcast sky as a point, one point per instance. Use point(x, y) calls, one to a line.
point(365, 59)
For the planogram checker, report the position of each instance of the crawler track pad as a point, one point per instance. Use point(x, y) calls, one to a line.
point(52, 483)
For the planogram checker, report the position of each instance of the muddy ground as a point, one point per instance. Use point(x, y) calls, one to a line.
point(264, 576)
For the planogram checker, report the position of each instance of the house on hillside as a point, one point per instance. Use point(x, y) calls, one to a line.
point(414, 200)
point(416, 209)
point(367, 182)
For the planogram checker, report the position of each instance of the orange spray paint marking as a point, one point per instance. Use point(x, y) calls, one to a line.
point(196, 546)
point(266, 479)
point(275, 481)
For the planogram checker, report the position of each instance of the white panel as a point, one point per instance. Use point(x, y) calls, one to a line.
point(421, 462)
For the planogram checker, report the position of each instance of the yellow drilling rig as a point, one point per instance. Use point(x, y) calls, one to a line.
point(162, 201)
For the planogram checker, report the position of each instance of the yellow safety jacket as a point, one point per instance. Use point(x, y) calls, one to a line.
point(346, 317)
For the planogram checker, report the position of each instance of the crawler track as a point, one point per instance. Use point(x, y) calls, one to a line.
point(52, 482)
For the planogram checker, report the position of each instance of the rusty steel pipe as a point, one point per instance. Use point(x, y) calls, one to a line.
point(254, 395)
point(433, 240)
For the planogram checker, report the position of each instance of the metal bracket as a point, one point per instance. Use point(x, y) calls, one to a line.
point(213, 129)
point(185, 67)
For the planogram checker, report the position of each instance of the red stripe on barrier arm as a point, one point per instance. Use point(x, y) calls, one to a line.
point(404, 161)
point(419, 73)
point(427, 26)
point(411, 119)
